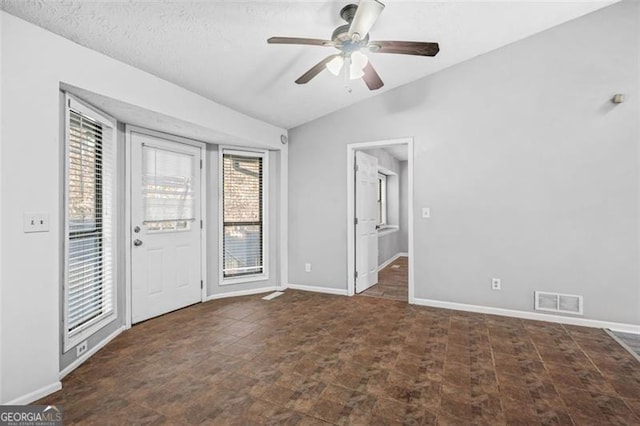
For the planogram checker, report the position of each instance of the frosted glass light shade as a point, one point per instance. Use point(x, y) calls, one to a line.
point(335, 65)
point(358, 62)
point(355, 73)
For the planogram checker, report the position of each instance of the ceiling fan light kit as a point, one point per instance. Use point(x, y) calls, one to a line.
point(351, 39)
point(357, 61)
point(335, 65)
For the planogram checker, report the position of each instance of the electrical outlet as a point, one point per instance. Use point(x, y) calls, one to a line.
point(496, 284)
point(307, 267)
point(81, 348)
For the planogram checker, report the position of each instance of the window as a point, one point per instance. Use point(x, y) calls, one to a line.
point(382, 199)
point(167, 190)
point(243, 215)
point(89, 243)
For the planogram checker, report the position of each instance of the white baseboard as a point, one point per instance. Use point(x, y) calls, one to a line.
point(78, 362)
point(403, 254)
point(626, 328)
point(391, 260)
point(36, 394)
point(327, 290)
point(241, 293)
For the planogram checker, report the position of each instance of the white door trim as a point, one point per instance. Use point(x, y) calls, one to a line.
point(128, 202)
point(351, 266)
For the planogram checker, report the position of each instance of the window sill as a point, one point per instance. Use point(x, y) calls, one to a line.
point(387, 229)
point(87, 330)
point(242, 280)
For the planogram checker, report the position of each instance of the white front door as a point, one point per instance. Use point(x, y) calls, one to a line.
point(166, 227)
point(367, 221)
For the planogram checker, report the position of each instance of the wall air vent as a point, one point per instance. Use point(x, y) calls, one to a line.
point(556, 302)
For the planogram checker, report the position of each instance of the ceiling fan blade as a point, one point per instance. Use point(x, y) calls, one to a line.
point(371, 77)
point(419, 48)
point(315, 70)
point(299, 40)
point(366, 15)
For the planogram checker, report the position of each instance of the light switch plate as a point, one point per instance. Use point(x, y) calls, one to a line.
point(35, 222)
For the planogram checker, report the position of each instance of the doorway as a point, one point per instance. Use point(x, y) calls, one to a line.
point(380, 219)
point(166, 228)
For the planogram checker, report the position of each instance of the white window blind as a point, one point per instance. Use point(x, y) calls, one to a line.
point(90, 187)
point(168, 194)
point(243, 215)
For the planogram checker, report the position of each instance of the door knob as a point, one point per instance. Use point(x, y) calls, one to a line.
point(137, 242)
point(136, 229)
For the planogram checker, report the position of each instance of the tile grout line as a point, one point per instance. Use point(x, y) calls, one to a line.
point(495, 367)
point(444, 367)
point(624, 401)
point(544, 364)
point(634, 354)
point(586, 354)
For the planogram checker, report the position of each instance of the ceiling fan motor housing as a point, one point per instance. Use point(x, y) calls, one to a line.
point(348, 12)
point(343, 42)
point(341, 36)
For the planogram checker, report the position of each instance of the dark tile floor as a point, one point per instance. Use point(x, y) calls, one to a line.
point(308, 358)
point(393, 282)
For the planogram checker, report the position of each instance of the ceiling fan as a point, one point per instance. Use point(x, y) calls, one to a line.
point(353, 38)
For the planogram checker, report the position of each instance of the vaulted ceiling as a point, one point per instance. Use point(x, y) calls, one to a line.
point(218, 49)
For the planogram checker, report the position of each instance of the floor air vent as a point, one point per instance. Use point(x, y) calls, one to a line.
point(556, 302)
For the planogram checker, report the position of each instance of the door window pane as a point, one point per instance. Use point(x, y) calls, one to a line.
point(167, 189)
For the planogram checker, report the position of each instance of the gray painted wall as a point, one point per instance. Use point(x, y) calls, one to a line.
point(530, 171)
point(213, 213)
point(388, 246)
point(404, 207)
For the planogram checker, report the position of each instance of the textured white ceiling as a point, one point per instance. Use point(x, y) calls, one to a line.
point(218, 48)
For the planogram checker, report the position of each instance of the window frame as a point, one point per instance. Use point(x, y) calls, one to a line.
point(382, 191)
point(84, 331)
point(264, 155)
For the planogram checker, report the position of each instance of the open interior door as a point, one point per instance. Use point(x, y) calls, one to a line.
point(366, 221)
